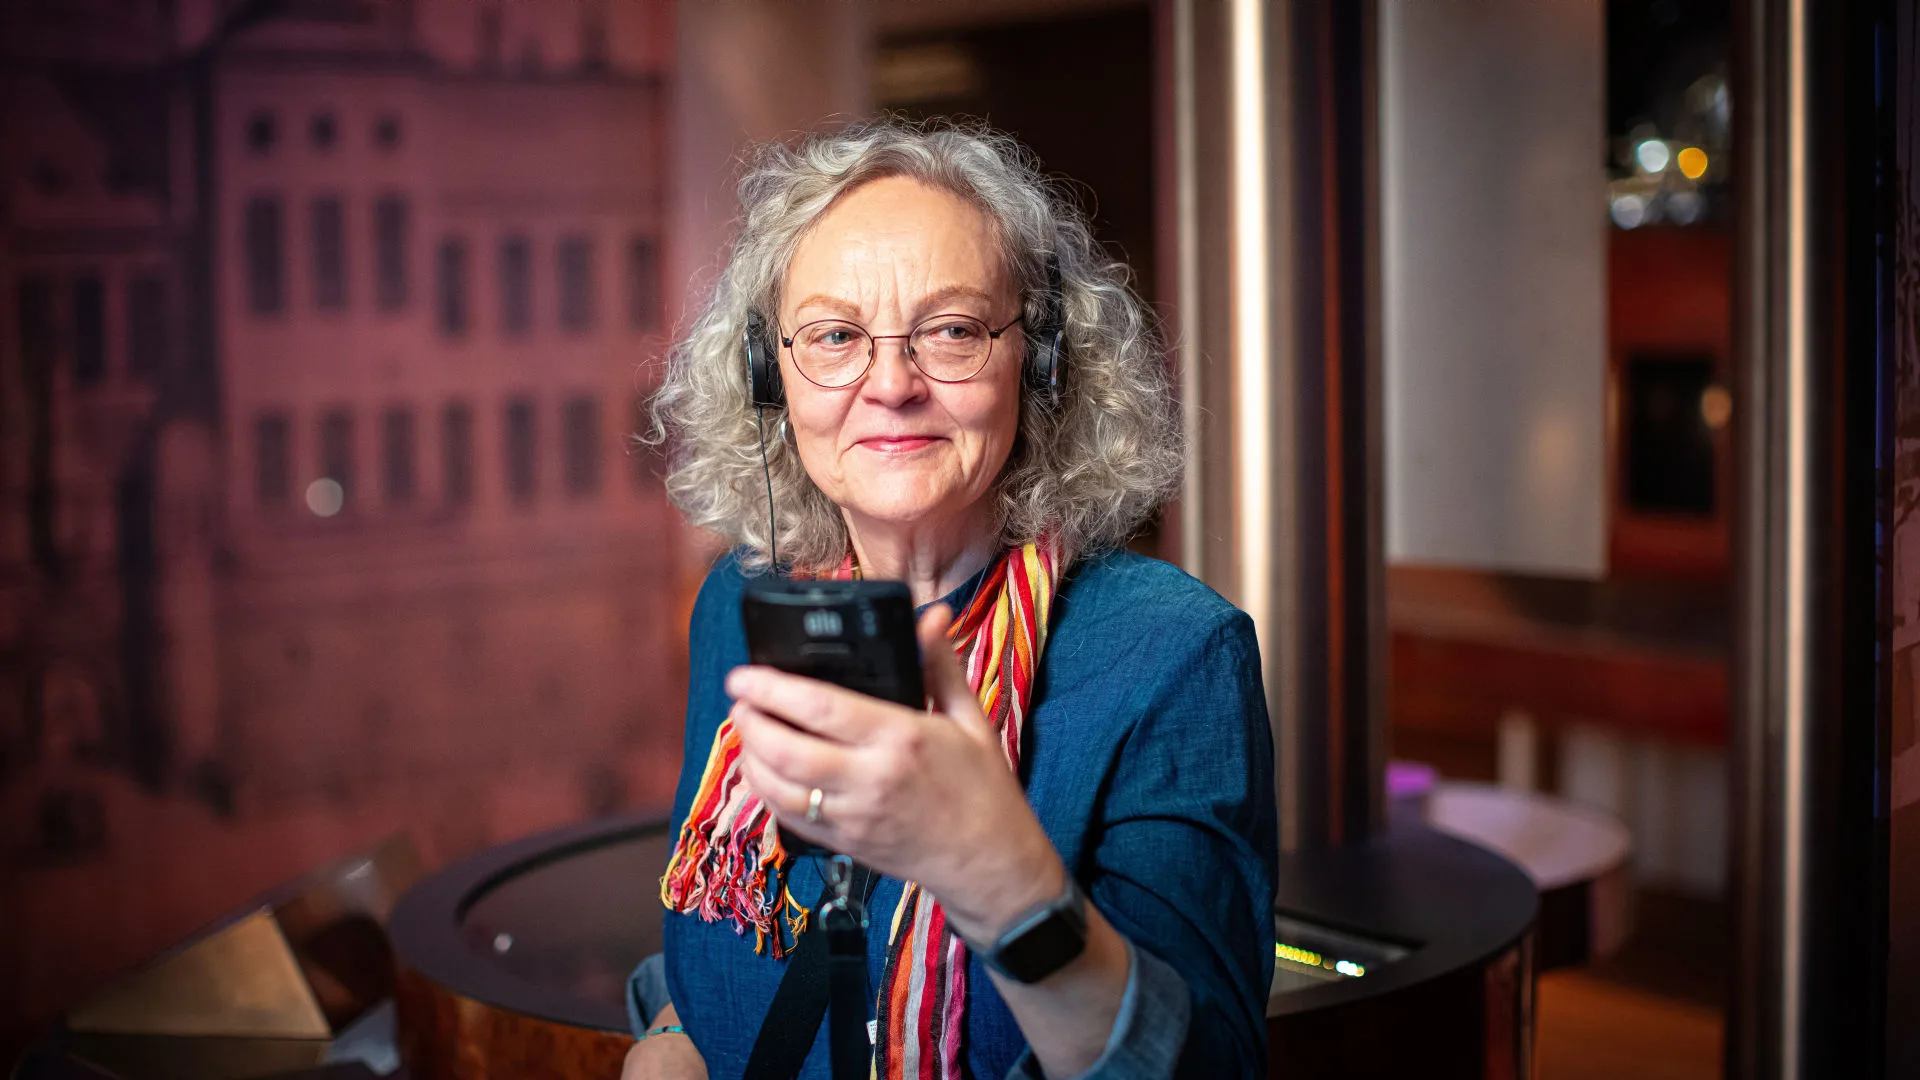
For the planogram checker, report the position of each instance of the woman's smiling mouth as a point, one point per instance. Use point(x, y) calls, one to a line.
point(898, 444)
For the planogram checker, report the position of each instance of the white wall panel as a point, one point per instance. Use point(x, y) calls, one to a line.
point(1493, 223)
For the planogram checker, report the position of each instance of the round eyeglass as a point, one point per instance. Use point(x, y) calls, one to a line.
point(950, 348)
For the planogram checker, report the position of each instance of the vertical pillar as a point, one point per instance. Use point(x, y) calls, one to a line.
point(1809, 858)
point(1275, 135)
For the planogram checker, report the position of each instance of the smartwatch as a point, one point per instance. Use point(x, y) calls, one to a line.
point(1043, 940)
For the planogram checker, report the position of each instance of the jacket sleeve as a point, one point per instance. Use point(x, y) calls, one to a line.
point(1185, 859)
point(1149, 1033)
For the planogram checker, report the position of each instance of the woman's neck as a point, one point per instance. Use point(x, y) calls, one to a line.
point(932, 560)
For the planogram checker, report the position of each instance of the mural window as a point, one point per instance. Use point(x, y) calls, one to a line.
point(451, 274)
point(89, 329)
point(397, 451)
point(520, 449)
point(39, 339)
point(386, 132)
point(576, 283)
point(272, 464)
point(643, 284)
point(516, 286)
point(491, 38)
point(329, 229)
point(390, 245)
point(323, 131)
point(148, 331)
point(582, 427)
point(265, 252)
point(593, 40)
point(336, 451)
point(456, 452)
point(262, 131)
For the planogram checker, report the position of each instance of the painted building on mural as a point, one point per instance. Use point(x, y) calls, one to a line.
point(89, 301)
point(438, 288)
point(316, 477)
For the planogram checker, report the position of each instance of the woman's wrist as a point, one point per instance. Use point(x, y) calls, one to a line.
point(664, 1052)
point(994, 892)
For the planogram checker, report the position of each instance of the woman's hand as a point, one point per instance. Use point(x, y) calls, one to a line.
point(668, 1056)
point(928, 797)
point(921, 796)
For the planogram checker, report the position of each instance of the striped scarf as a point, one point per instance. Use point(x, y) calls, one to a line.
point(728, 863)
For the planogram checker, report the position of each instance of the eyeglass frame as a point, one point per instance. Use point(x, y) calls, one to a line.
point(874, 340)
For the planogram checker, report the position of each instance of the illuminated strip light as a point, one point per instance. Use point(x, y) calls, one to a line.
point(1294, 954)
point(1797, 511)
point(1298, 955)
point(1252, 334)
point(1193, 535)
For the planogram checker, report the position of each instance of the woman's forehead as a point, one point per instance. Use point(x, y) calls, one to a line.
point(896, 240)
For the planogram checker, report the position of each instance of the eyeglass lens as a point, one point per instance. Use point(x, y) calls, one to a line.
point(948, 348)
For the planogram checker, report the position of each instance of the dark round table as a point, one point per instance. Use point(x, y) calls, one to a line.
point(514, 962)
point(1410, 954)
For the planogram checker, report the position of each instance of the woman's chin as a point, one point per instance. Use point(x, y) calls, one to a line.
point(898, 508)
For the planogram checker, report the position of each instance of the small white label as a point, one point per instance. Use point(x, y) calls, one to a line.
point(873, 1031)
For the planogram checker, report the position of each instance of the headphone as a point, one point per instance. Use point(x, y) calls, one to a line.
point(1046, 368)
point(762, 353)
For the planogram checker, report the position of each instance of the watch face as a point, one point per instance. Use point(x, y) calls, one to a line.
point(1043, 949)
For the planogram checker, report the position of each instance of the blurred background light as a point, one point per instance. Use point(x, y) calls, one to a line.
point(1652, 155)
point(1716, 407)
point(1629, 211)
point(325, 497)
point(1692, 162)
point(1683, 207)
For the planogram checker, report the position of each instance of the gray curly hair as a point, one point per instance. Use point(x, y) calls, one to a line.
point(1091, 469)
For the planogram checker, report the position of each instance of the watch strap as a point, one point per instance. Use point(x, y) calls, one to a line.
point(1042, 940)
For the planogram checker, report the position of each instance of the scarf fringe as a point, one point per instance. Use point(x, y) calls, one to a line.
point(741, 877)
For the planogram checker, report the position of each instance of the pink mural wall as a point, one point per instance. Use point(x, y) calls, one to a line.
point(322, 329)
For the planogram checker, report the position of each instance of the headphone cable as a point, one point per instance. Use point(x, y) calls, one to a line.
point(773, 545)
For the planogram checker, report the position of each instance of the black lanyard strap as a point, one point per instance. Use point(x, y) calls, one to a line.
point(826, 963)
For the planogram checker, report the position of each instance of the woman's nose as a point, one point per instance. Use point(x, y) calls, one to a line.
point(893, 379)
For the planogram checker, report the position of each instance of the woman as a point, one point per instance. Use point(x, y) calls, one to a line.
point(1077, 863)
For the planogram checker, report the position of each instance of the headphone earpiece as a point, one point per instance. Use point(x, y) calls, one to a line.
point(762, 355)
point(1047, 344)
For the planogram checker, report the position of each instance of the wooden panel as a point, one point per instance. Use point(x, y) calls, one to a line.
point(1592, 1029)
point(444, 1036)
point(1463, 686)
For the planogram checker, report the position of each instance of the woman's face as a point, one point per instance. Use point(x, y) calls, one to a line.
point(895, 447)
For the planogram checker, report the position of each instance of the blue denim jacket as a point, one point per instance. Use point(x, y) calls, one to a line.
point(1149, 764)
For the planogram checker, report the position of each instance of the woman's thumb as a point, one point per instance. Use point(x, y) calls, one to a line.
point(946, 680)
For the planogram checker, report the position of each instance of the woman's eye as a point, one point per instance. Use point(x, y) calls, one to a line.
point(835, 339)
point(953, 332)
